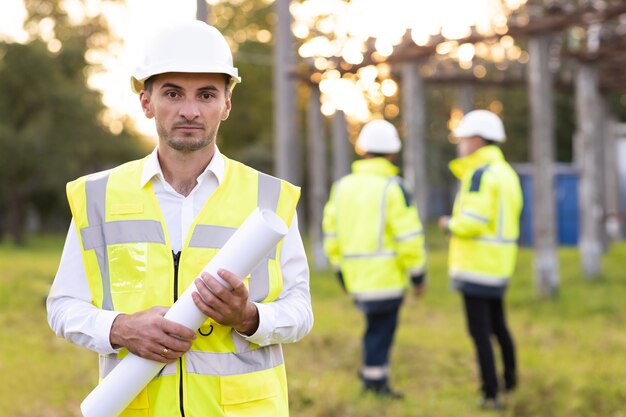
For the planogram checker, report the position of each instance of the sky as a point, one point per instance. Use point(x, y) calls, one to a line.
point(131, 21)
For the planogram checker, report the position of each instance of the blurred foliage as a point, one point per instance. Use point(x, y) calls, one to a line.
point(50, 128)
point(248, 134)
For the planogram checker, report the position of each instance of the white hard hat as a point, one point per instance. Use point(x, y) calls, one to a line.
point(189, 46)
point(481, 123)
point(379, 136)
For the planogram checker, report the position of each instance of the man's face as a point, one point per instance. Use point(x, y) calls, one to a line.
point(469, 145)
point(187, 108)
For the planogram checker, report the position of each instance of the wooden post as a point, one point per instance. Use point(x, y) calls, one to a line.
point(317, 177)
point(611, 174)
point(600, 144)
point(465, 98)
point(202, 10)
point(588, 104)
point(287, 156)
point(414, 153)
point(342, 149)
point(543, 139)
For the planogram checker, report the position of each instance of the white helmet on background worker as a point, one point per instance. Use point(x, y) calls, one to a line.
point(481, 123)
point(189, 46)
point(379, 136)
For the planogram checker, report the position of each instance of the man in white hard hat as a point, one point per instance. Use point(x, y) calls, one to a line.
point(142, 232)
point(374, 239)
point(483, 229)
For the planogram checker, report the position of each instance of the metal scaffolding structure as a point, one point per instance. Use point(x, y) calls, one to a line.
point(579, 46)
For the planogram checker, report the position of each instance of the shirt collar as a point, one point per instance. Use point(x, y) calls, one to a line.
point(152, 168)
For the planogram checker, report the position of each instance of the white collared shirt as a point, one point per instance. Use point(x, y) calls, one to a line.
point(72, 316)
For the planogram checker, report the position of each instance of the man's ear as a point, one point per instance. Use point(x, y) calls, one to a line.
point(227, 107)
point(144, 99)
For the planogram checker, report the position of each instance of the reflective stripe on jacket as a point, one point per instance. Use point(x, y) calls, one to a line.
point(373, 232)
point(485, 222)
point(130, 267)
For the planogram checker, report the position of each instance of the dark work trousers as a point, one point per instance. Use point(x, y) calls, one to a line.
point(485, 316)
point(382, 321)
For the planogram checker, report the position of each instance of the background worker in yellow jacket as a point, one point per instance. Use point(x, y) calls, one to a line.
point(484, 228)
point(142, 232)
point(374, 239)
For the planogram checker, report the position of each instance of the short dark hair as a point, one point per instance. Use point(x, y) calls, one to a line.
point(149, 82)
point(377, 154)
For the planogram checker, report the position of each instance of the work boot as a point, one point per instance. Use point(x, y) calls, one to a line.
point(488, 403)
point(381, 388)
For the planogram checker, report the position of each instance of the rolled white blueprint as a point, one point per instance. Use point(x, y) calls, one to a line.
point(246, 248)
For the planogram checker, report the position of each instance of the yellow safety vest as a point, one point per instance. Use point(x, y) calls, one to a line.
point(373, 232)
point(130, 267)
point(485, 223)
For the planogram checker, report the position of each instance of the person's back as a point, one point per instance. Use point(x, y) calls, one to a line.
point(358, 219)
point(365, 200)
point(374, 239)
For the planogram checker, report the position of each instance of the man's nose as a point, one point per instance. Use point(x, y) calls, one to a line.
point(189, 109)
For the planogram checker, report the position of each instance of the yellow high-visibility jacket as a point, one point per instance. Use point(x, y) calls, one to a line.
point(372, 232)
point(130, 267)
point(484, 225)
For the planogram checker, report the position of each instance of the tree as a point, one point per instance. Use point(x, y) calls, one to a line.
point(247, 135)
point(50, 128)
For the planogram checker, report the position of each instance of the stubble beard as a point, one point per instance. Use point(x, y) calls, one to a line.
point(186, 143)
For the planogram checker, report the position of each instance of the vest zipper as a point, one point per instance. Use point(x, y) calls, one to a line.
point(180, 360)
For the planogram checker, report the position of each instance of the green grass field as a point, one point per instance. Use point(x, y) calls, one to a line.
point(571, 350)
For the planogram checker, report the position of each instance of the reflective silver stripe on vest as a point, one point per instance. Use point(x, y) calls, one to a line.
point(240, 343)
point(110, 361)
point(496, 240)
point(383, 209)
point(243, 361)
point(95, 193)
point(378, 295)
point(478, 278)
point(475, 216)
point(99, 233)
point(269, 192)
point(213, 363)
point(214, 237)
point(408, 236)
point(122, 231)
point(209, 236)
point(369, 255)
point(107, 363)
point(226, 363)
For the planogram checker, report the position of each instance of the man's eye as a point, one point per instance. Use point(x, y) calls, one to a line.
point(207, 96)
point(172, 94)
